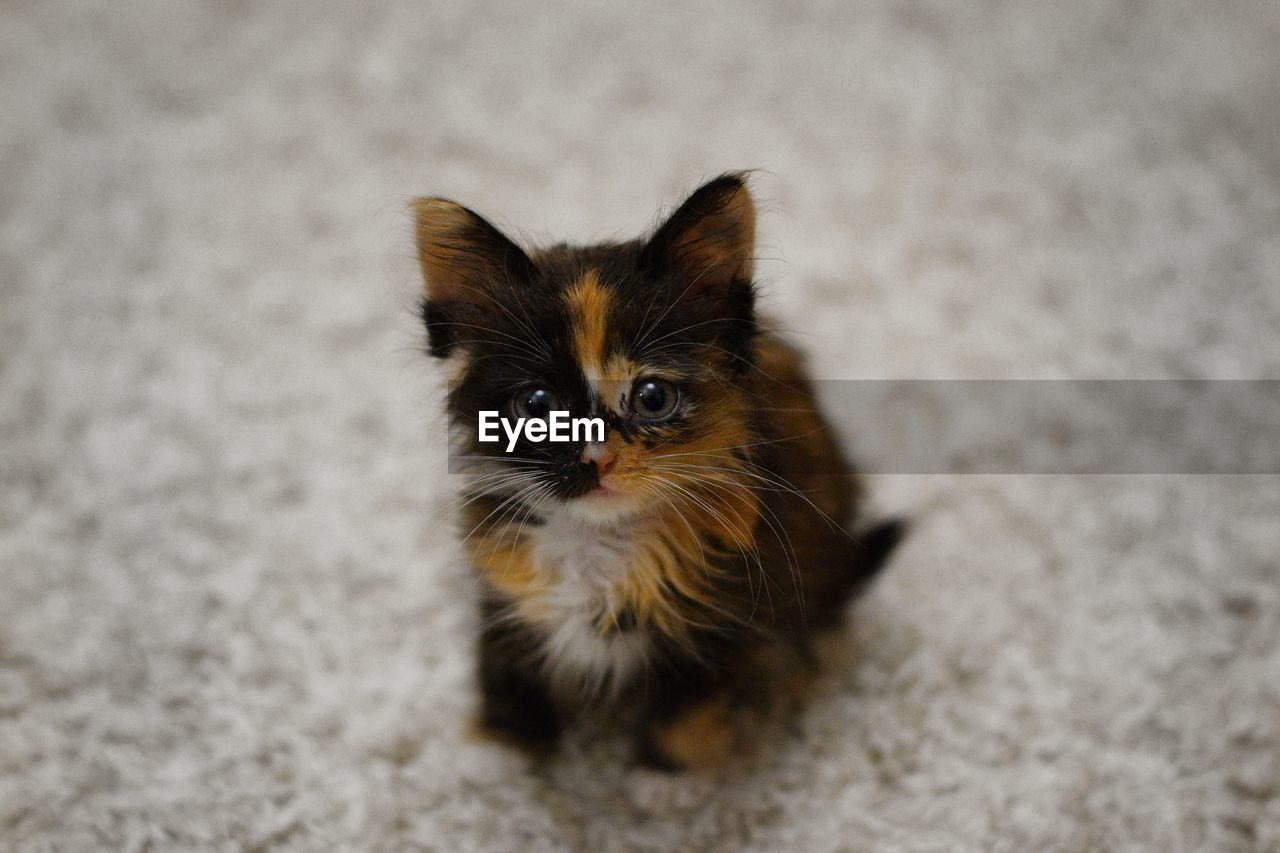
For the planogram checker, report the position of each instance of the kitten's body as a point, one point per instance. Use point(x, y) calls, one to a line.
point(670, 565)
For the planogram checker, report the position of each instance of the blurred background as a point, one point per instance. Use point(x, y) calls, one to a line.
point(232, 613)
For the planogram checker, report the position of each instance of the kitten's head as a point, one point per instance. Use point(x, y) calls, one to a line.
point(653, 336)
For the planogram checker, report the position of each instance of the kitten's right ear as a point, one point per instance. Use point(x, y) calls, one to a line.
point(709, 241)
point(465, 263)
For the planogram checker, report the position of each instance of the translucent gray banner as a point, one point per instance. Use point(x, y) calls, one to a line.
point(926, 426)
point(1058, 426)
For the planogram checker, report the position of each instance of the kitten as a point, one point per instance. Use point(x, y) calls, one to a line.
point(671, 569)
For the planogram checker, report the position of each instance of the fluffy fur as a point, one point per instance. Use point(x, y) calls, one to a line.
point(656, 564)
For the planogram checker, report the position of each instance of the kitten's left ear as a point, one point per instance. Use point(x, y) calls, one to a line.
point(463, 256)
point(710, 240)
point(466, 264)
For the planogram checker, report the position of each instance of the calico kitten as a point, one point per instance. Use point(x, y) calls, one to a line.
point(671, 569)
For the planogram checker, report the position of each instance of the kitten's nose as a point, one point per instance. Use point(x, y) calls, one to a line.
point(602, 455)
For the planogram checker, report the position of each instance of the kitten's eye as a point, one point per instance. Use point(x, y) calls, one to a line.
point(535, 403)
point(654, 399)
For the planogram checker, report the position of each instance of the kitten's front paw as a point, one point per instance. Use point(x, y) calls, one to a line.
point(700, 739)
point(532, 734)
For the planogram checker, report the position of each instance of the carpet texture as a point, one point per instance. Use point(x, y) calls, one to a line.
point(232, 611)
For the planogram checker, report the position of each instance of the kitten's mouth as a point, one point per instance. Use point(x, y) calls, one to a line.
point(600, 490)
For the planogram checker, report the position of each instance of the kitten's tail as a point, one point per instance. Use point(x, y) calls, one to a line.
point(874, 547)
point(863, 558)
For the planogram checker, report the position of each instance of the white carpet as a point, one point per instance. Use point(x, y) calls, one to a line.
point(231, 612)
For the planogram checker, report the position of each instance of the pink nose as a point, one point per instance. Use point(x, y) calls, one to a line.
point(603, 456)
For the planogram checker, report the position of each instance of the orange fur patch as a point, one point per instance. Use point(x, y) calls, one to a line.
point(701, 738)
point(609, 373)
point(501, 553)
point(669, 570)
point(588, 303)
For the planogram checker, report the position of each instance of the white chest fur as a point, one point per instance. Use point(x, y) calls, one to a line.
point(583, 562)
